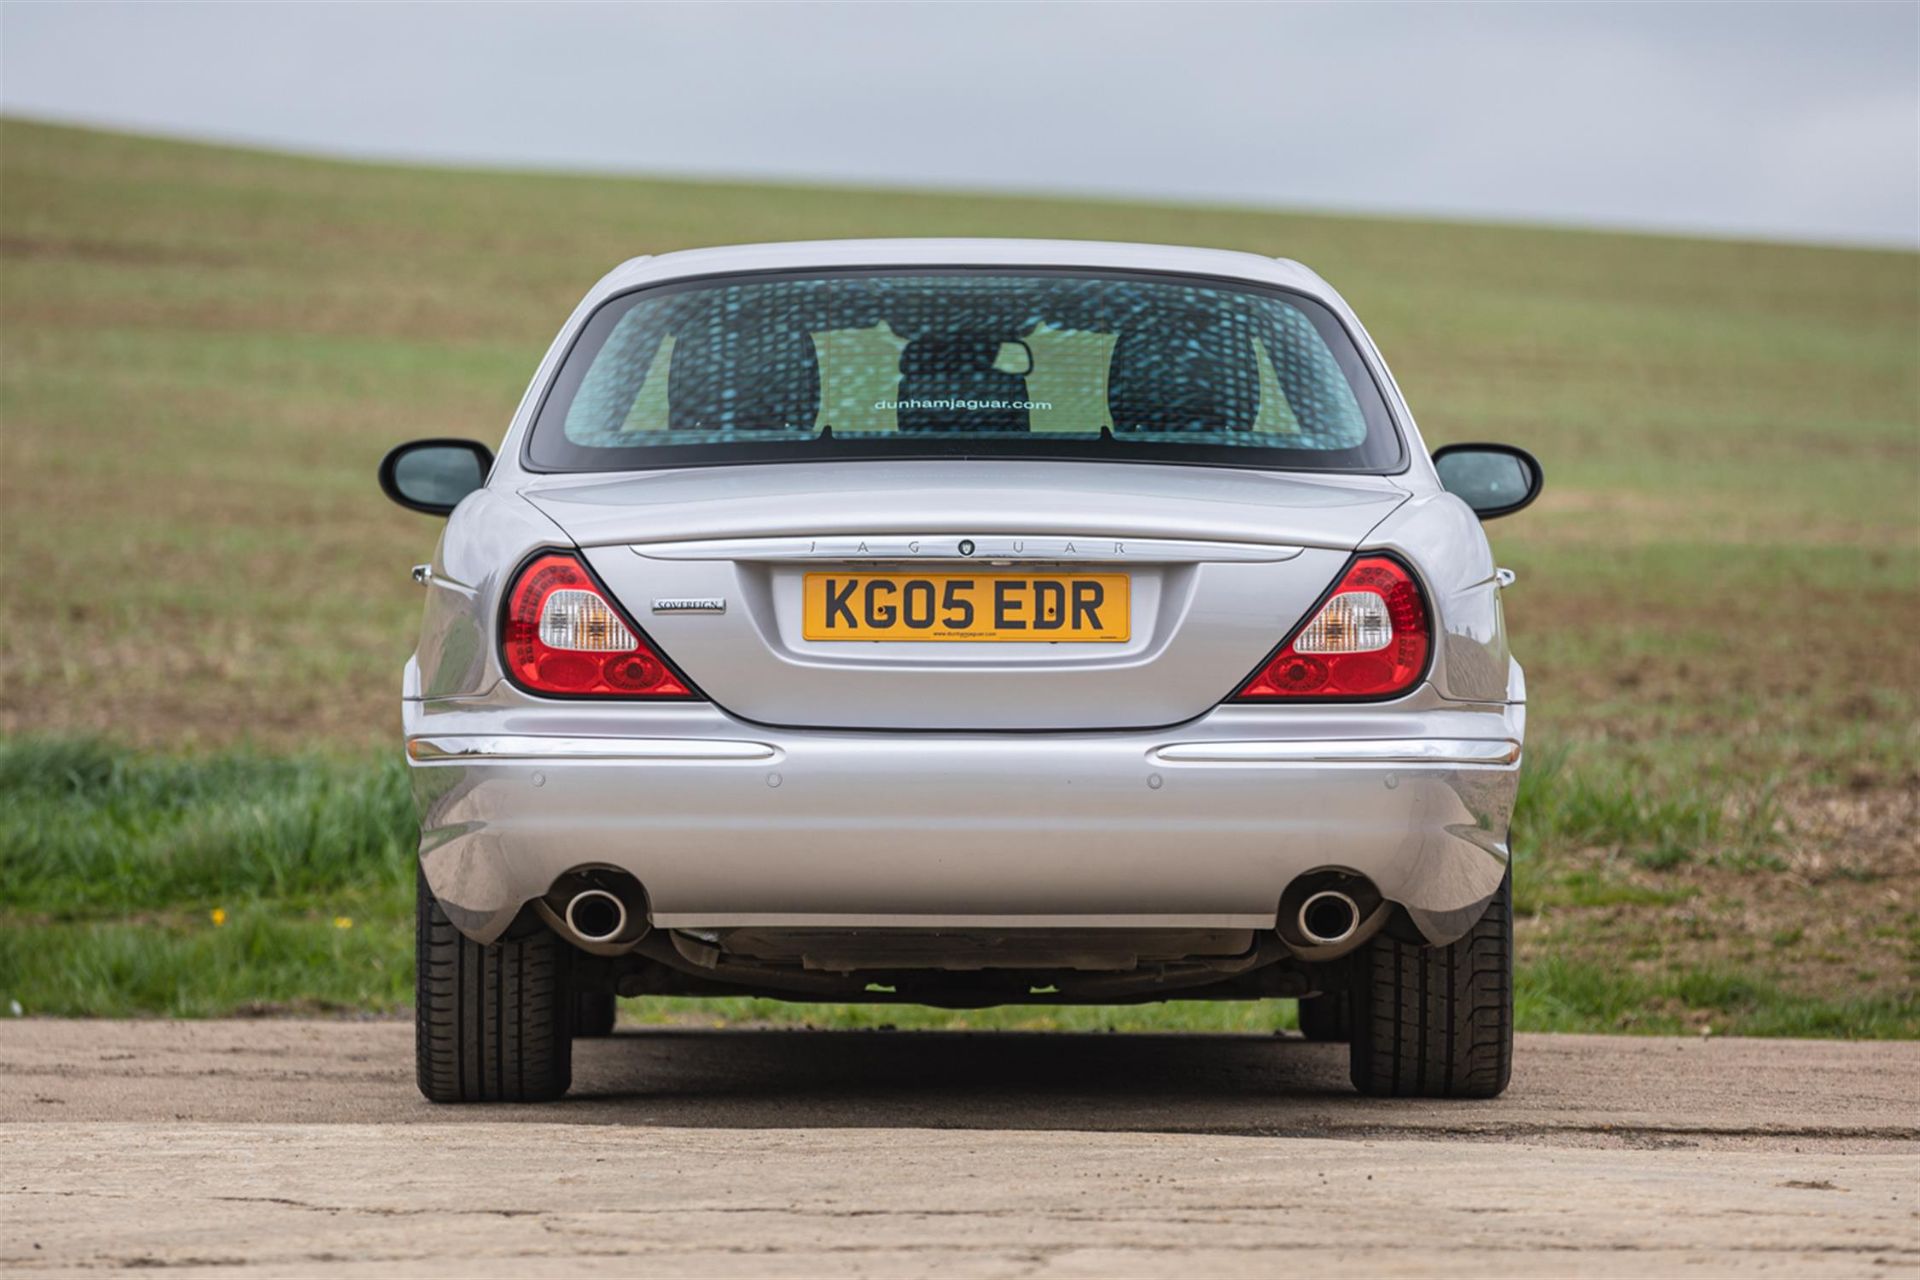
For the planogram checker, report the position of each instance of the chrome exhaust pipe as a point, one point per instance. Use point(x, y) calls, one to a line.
point(1328, 918)
point(594, 915)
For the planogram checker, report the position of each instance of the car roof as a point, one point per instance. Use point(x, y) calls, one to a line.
point(813, 255)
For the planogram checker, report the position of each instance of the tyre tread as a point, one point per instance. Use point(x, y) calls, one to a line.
point(490, 1022)
point(1436, 1022)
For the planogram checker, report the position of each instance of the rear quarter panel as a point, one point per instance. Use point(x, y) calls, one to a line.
point(1440, 536)
point(487, 537)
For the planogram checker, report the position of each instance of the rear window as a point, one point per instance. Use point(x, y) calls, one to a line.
point(963, 363)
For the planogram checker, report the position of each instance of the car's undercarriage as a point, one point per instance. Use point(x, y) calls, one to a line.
point(960, 968)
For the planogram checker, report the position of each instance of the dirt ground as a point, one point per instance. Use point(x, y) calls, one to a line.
point(301, 1148)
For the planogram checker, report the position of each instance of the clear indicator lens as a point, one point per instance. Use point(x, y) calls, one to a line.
point(581, 620)
point(1352, 622)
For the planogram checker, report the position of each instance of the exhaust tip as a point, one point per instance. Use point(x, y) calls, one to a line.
point(1328, 918)
point(594, 915)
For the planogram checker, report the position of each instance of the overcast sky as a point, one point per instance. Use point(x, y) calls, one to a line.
point(1787, 120)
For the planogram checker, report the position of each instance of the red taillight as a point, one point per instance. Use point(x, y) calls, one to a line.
point(564, 636)
point(1369, 640)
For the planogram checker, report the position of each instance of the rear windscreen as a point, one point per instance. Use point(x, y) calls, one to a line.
point(963, 363)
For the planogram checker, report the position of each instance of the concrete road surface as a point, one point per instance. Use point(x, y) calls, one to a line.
point(300, 1148)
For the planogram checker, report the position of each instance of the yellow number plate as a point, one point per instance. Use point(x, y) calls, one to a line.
point(966, 606)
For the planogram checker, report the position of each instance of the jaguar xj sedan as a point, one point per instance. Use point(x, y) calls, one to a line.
point(963, 623)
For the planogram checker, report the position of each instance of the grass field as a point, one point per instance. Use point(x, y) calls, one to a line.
point(204, 604)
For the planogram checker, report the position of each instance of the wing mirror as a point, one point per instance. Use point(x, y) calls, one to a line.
point(433, 475)
point(1493, 479)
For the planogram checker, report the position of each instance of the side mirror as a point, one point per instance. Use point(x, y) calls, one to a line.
point(433, 475)
point(1493, 479)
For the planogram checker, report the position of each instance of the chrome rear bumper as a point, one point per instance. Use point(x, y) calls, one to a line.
point(730, 824)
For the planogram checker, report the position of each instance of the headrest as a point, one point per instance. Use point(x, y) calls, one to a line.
point(951, 382)
point(1184, 373)
point(961, 353)
point(743, 379)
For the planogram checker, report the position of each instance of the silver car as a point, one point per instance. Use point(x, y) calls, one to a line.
point(963, 622)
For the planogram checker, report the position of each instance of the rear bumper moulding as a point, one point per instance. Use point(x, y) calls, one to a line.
point(507, 747)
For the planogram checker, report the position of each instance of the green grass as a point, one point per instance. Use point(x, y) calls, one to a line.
point(269, 956)
point(87, 829)
point(141, 883)
point(1598, 805)
point(204, 351)
point(1558, 994)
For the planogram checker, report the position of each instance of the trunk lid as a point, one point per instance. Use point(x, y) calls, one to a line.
point(1218, 565)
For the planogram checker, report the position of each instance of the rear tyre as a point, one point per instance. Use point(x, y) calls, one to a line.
point(1327, 1018)
point(1436, 1022)
point(491, 1023)
point(593, 1014)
